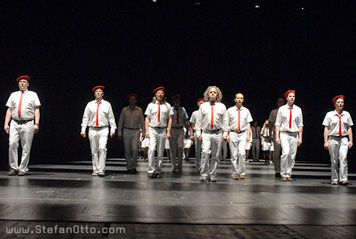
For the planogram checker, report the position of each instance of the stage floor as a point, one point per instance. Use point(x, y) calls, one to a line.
point(61, 200)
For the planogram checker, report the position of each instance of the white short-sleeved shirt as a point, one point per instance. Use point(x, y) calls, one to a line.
point(152, 111)
point(182, 115)
point(332, 121)
point(106, 115)
point(283, 116)
point(245, 118)
point(29, 101)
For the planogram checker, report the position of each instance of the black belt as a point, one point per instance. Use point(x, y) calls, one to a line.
point(93, 127)
point(22, 121)
point(212, 131)
point(332, 136)
point(177, 127)
point(158, 127)
point(235, 131)
point(132, 128)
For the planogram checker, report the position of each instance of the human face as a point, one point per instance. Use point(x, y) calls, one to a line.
point(160, 95)
point(212, 94)
point(132, 100)
point(23, 84)
point(99, 94)
point(176, 101)
point(290, 99)
point(199, 103)
point(239, 100)
point(280, 102)
point(339, 104)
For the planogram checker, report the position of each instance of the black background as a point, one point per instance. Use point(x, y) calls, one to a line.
point(67, 47)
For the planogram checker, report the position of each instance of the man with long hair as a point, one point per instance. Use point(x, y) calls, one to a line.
point(211, 128)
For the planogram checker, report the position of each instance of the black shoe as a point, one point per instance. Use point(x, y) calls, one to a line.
point(134, 170)
point(277, 175)
point(151, 175)
point(157, 175)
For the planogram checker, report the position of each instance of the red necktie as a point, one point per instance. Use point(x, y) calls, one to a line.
point(238, 118)
point(340, 132)
point(212, 115)
point(177, 116)
point(19, 109)
point(159, 112)
point(97, 115)
point(290, 118)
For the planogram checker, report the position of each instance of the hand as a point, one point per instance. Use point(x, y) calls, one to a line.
point(36, 128)
point(278, 140)
point(247, 138)
point(326, 145)
point(168, 135)
point(83, 134)
point(299, 142)
point(192, 137)
point(112, 134)
point(6, 128)
point(147, 135)
point(224, 138)
point(199, 137)
point(228, 139)
point(350, 144)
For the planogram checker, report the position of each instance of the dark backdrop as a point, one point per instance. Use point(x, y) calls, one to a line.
point(69, 47)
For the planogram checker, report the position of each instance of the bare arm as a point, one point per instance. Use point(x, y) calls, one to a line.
point(147, 122)
point(36, 126)
point(351, 142)
point(326, 133)
point(7, 120)
point(168, 135)
point(278, 140)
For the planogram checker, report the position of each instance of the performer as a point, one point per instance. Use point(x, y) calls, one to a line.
point(98, 116)
point(130, 122)
point(239, 118)
point(248, 147)
point(24, 113)
point(338, 139)
point(158, 121)
point(277, 147)
point(256, 141)
point(213, 121)
point(176, 141)
point(289, 132)
point(193, 135)
point(265, 143)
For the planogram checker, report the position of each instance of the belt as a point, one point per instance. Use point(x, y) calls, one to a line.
point(212, 131)
point(177, 127)
point(158, 127)
point(22, 121)
point(290, 133)
point(332, 136)
point(235, 131)
point(132, 128)
point(92, 127)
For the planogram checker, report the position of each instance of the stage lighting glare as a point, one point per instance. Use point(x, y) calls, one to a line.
point(257, 6)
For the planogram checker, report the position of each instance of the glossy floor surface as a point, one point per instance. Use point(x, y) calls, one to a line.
point(65, 201)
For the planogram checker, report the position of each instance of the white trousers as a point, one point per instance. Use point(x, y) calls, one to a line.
point(289, 144)
point(131, 139)
point(238, 152)
point(338, 154)
point(176, 142)
point(157, 141)
point(23, 133)
point(197, 146)
point(98, 138)
point(211, 147)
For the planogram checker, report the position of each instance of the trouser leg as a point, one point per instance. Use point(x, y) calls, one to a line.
point(277, 156)
point(94, 148)
point(197, 152)
point(127, 135)
point(134, 148)
point(103, 141)
point(26, 136)
point(233, 153)
point(180, 146)
point(14, 137)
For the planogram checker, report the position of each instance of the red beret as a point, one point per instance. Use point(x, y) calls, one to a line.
point(23, 77)
point(159, 88)
point(132, 94)
point(288, 92)
point(337, 97)
point(176, 96)
point(98, 87)
point(201, 99)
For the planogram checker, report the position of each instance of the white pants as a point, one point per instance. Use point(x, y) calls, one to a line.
point(197, 146)
point(24, 133)
point(176, 143)
point(289, 144)
point(238, 152)
point(98, 138)
point(157, 142)
point(131, 139)
point(211, 146)
point(338, 153)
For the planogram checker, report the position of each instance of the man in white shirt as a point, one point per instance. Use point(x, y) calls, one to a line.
point(193, 135)
point(130, 122)
point(24, 113)
point(239, 118)
point(98, 116)
point(289, 132)
point(179, 120)
point(212, 129)
point(338, 139)
point(158, 125)
point(277, 147)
